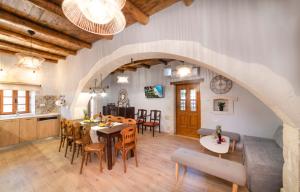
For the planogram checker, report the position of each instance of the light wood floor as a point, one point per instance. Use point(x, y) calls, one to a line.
point(40, 167)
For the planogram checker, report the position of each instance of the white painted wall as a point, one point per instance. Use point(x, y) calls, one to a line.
point(250, 116)
point(46, 76)
point(262, 34)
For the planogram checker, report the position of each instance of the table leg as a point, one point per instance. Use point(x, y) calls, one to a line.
point(109, 153)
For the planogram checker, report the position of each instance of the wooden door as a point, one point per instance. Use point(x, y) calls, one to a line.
point(28, 130)
point(188, 110)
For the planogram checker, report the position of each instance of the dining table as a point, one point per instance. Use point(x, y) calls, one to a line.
point(108, 133)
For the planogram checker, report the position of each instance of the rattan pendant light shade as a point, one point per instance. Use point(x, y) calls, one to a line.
point(74, 11)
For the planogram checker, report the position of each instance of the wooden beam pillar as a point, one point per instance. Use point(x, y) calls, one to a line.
point(52, 35)
point(13, 53)
point(53, 48)
point(26, 50)
point(136, 13)
point(187, 2)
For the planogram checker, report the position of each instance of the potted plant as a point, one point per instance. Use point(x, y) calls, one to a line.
point(85, 115)
point(221, 106)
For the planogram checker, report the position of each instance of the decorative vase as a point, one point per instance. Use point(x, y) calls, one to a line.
point(219, 138)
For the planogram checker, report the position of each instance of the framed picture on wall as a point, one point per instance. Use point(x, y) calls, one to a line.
point(156, 91)
point(223, 105)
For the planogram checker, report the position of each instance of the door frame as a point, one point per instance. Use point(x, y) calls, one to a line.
point(186, 82)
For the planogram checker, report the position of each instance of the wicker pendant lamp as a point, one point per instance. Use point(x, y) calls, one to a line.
point(29, 61)
point(103, 17)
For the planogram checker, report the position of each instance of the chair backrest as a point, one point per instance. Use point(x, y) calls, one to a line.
point(63, 126)
point(155, 116)
point(86, 137)
point(141, 114)
point(118, 119)
point(128, 135)
point(69, 128)
point(108, 117)
point(76, 130)
point(129, 121)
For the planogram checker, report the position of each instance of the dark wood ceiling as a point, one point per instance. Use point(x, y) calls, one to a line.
point(146, 63)
point(56, 37)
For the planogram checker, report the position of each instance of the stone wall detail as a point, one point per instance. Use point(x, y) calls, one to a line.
point(46, 104)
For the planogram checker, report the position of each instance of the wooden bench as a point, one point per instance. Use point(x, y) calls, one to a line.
point(228, 170)
point(235, 137)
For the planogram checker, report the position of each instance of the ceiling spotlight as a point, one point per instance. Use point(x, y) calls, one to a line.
point(184, 70)
point(122, 79)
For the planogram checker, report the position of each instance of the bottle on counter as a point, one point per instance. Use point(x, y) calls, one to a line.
point(100, 117)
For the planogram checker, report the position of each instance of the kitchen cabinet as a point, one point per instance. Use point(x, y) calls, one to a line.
point(47, 127)
point(28, 131)
point(9, 132)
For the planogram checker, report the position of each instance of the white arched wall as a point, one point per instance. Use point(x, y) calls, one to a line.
point(275, 91)
point(256, 78)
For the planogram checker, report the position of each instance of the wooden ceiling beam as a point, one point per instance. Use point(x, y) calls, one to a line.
point(54, 48)
point(187, 2)
point(53, 35)
point(136, 13)
point(164, 61)
point(145, 66)
point(129, 68)
point(49, 6)
point(26, 50)
point(13, 53)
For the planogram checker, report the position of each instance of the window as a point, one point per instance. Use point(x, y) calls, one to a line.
point(13, 101)
point(182, 99)
point(193, 100)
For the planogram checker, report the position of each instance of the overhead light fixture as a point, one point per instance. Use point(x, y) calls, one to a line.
point(184, 70)
point(103, 94)
point(29, 60)
point(94, 91)
point(103, 17)
point(122, 79)
point(2, 71)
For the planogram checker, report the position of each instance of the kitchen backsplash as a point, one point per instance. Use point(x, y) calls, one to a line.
point(46, 104)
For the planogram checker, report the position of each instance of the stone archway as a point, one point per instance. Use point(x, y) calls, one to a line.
point(256, 78)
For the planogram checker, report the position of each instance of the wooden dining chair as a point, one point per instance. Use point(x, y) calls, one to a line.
point(108, 118)
point(69, 135)
point(97, 148)
point(77, 139)
point(141, 117)
point(79, 144)
point(117, 119)
point(63, 135)
point(127, 144)
point(154, 117)
point(131, 123)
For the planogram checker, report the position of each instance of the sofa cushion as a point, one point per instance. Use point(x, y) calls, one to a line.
point(228, 170)
point(278, 137)
point(264, 162)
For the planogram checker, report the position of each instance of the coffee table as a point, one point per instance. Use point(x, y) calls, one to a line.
point(210, 142)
